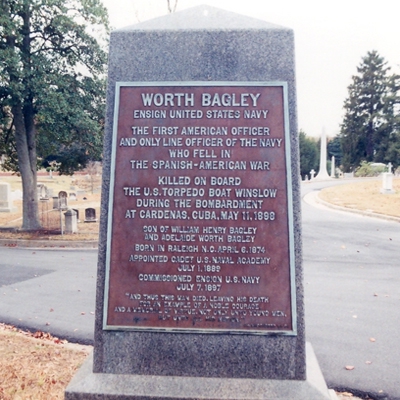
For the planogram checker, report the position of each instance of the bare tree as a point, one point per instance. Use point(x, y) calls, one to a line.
point(171, 8)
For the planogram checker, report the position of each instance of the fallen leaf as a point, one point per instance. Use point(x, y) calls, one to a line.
point(349, 367)
point(354, 316)
point(83, 313)
point(51, 309)
point(368, 362)
point(376, 294)
point(372, 339)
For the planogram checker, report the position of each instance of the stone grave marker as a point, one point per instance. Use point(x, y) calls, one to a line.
point(56, 203)
point(62, 200)
point(6, 202)
point(387, 181)
point(77, 214)
point(90, 215)
point(333, 167)
point(71, 221)
point(72, 196)
point(42, 191)
point(200, 291)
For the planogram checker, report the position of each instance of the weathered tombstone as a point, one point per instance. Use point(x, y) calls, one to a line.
point(6, 202)
point(387, 181)
point(90, 215)
point(56, 203)
point(72, 196)
point(42, 191)
point(333, 168)
point(62, 200)
point(16, 194)
point(71, 221)
point(77, 213)
point(312, 174)
point(200, 276)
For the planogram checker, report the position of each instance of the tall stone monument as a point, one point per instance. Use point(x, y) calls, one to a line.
point(200, 290)
point(323, 172)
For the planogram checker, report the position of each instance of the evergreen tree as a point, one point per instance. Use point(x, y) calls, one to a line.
point(365, 131)
point(334, 149)
point(309, 154)
point(52, 86)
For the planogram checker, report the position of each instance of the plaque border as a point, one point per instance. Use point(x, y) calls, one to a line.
point(289, 181)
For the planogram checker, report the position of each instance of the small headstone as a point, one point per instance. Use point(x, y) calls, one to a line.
point(16, 194)
point(42, 191)
point(62, 200)
point(77, 214)
point(71, 225)
point(312, 174)
point(6, 203)
point(55, 203)
point(72, 196)
point(90, 215)
point(348, 175)
point(387, 183)
point(390, 166)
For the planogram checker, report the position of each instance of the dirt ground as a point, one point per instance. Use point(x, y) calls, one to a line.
point(38, 366)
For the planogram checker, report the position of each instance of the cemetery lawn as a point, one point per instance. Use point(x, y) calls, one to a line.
point(11, 222)
point(365, 196)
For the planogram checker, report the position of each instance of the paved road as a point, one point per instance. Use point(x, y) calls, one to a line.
point(49, 290)
point(352, 295)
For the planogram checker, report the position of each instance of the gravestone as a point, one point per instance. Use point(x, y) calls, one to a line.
point(42, 191)
point(90, 215)
point(72, 196)
point(333, 167)
point(200, 291)
point(77, 214)
point(6, 202)
point(71, 221)
point(62, 200)
point(56, 203)
point(387, 181)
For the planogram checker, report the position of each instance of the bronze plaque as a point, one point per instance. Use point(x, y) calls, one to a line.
point(200, 216)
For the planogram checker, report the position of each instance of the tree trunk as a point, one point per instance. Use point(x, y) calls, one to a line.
point(26, 149)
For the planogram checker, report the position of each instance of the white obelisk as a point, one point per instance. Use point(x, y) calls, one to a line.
point(323, 173)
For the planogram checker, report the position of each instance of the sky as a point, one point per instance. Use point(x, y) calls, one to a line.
point(331, 38)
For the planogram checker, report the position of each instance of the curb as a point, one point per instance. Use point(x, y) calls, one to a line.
point(50, 244)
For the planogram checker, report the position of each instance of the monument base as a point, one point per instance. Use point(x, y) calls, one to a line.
point(89, 386)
